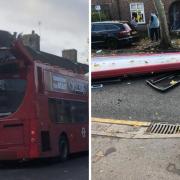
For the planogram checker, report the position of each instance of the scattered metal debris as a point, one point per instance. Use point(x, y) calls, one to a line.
point(100, 83)
point(97, 86)
point(165, 82)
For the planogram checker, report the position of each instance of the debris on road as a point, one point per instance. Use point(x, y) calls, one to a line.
point(123, 65)
point(165, 82)
point(100, 83)
point(97, 86)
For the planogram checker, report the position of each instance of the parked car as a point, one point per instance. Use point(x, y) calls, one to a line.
point(111, 34)
point(134, 31)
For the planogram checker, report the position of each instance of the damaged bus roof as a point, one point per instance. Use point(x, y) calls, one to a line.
point(122, 65)
point(12, 49)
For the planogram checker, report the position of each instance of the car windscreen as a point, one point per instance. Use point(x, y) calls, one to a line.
point(11, 95)
point(98, 27)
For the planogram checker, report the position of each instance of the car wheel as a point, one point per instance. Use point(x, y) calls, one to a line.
point(63, 148)
point(112, 43)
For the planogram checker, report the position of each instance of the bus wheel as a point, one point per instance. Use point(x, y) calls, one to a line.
point(63, 148)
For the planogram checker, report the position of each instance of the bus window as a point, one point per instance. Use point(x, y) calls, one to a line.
point(80, 111)
point(66, 111)
point(11, 95)
point(63, 112)
point(52, 109)
point(59, 111)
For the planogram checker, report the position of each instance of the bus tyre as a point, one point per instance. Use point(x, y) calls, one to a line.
point(63, 148)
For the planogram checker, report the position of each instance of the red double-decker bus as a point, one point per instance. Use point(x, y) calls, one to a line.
point(43, 108)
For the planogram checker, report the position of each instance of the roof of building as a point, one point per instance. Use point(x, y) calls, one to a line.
point(57, 61)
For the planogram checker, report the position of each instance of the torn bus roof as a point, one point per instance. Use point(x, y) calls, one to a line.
point(20, 52)
point(114, 66)
point(6, 39)
point(6, 57)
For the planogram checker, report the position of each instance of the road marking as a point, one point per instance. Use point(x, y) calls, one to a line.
point(121, 122)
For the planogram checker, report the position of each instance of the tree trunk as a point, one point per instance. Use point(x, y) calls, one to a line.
point(165, 37)
point(118, 8)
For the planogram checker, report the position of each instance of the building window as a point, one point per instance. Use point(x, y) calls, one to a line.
point(137, 11)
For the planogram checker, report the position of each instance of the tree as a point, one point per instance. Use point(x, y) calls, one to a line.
point(165, 37)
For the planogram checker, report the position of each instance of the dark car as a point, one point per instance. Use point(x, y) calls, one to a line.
point(134, 31)
point(110, 34)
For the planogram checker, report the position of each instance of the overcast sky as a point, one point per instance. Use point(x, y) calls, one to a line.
point(64, 24)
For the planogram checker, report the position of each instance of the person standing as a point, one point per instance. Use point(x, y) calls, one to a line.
point(133, 22)
point(154, 27)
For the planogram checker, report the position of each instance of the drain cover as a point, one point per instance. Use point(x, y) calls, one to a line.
point(163, 128)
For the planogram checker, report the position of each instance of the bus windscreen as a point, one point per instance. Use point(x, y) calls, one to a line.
point(11, 95)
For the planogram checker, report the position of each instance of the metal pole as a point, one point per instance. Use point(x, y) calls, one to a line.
point(99, 15)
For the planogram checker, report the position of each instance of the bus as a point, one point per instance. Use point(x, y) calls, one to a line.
point(43, 105)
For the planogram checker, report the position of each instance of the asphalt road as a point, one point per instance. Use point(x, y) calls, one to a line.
point(135, 159)
point(74, 169)
point(133, 99)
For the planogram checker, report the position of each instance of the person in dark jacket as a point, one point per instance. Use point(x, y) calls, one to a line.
point(154, 27)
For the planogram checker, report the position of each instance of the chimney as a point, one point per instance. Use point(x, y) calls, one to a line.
point(70, 54)
point(32, 40)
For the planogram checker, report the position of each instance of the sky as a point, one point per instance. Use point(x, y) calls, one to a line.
point(61, 24)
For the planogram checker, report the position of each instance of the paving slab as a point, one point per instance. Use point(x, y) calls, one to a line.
point(135, 159)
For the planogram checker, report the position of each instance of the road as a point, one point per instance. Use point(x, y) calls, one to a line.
point(74, 169)
point(133, 99)
point(135, 159)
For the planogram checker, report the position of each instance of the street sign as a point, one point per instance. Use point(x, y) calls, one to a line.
point(97, 7)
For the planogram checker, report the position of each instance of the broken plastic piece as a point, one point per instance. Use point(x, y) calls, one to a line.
point(97, 86)
point(165, 82)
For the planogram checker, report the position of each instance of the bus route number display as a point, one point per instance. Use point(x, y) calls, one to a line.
point(69, 84)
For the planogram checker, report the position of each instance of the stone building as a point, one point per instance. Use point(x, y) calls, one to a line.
point(70, 54)
point(32, 40)
point(141, 9)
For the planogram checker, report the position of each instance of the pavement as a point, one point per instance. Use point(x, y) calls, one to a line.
point(121, 149)
point(76, 168)
point(134, 130)
point(135, 159)
point(133, 99)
